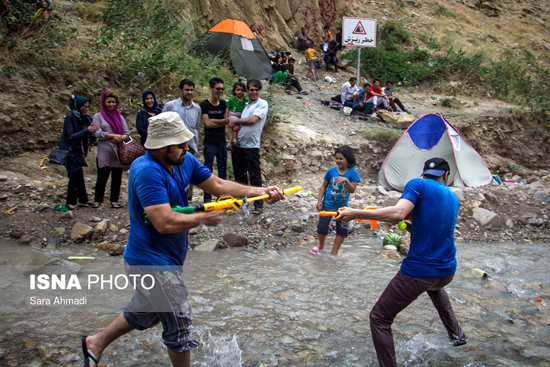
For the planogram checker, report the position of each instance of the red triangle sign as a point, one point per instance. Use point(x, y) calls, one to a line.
point(359, 29)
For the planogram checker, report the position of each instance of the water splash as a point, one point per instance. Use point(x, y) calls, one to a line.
point(222, 352)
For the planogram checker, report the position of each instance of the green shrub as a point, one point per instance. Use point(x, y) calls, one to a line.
point(447, 102)
point(148, 44)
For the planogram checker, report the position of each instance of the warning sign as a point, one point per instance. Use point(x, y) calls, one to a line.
point(359, 29)
point(359, 32)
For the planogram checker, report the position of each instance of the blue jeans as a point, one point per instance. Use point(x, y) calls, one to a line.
point(220, 152)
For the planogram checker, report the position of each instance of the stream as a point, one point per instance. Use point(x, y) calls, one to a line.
point(289, 308)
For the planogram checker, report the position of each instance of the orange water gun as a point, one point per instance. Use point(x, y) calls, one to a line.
point(373, 223)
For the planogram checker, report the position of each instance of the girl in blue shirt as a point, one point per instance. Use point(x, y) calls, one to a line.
point(338, 184)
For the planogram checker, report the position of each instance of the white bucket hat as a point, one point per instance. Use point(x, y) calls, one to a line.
point(166, 129)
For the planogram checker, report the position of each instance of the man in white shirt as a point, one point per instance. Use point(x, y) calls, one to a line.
point(246, 156)
point(349, 88)
point(189, 111)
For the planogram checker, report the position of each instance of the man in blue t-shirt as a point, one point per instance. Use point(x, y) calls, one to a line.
point(431, 262)
point(155, 253)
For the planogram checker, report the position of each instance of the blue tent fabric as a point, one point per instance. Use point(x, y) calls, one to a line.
point(426, 135)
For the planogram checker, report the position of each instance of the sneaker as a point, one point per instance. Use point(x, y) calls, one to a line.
point(457, 341)
point(303, 91)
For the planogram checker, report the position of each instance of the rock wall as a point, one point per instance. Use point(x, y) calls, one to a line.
point(278, 21)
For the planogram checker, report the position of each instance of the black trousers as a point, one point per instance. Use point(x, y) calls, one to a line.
point(246, 165)
point(103, 174)
point(76, 189)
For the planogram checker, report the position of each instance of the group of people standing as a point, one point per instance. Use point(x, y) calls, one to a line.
point(244, 116)
point(329, 46)
point(109, 128)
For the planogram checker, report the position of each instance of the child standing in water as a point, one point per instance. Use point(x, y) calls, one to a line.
point(334, 193)
point(235, 107)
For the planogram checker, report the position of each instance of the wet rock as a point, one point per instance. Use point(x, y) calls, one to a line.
point(537, 352)
point(67, 215)
point(298, 228)
point(391, 256)
point(542, 196)
point(498, 286)
point(537, 222)
point(81, 231)
point(27, 239)
point(486, 217)
point(111, 248)
point(208, 246)
point(116, 250)
point(235, 240)
point(30, 261)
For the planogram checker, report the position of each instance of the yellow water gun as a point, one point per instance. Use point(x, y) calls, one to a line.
point(224, 202)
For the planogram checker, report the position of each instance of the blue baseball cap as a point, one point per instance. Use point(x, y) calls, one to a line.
point(436, 167)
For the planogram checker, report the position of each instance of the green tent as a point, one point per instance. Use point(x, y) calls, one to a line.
point(233, 40)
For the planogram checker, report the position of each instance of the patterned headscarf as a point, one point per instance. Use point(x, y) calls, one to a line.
point(112, 117)
point(156, 108)
point(76, 103)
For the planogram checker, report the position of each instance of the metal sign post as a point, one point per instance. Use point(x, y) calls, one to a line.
point(359, 32)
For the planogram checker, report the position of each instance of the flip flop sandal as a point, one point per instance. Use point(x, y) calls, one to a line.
point(315, 250)
point(257, 211)
point(88, 354)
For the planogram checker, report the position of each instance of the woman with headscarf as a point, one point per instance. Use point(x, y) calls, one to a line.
point(76, 131)
point(150, 108)
point(112, 130)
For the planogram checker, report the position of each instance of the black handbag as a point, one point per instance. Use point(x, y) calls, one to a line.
point(58, 156)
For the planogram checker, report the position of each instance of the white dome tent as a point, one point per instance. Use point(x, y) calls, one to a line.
point(433, 136)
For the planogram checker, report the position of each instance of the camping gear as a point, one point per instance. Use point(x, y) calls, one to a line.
point(233, 41)
point(129, 150)
point(432, 136)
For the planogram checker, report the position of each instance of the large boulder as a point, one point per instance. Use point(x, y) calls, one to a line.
point(29, 261)
point(81, 232)
point(399, 120)
point(235, 240)
point(486, 217)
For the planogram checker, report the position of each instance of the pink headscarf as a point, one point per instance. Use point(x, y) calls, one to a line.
point(112, 117)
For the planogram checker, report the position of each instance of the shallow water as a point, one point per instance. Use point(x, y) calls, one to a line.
point(290, 308)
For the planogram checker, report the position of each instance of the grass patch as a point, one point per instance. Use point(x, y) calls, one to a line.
point(442, 11)
point(381, 134)
point(147, 45)
point(32, 38)
point(447, 102)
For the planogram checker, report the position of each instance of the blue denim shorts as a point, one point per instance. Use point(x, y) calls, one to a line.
point(324, 222)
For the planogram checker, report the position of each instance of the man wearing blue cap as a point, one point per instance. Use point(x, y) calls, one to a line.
point(431, 262)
